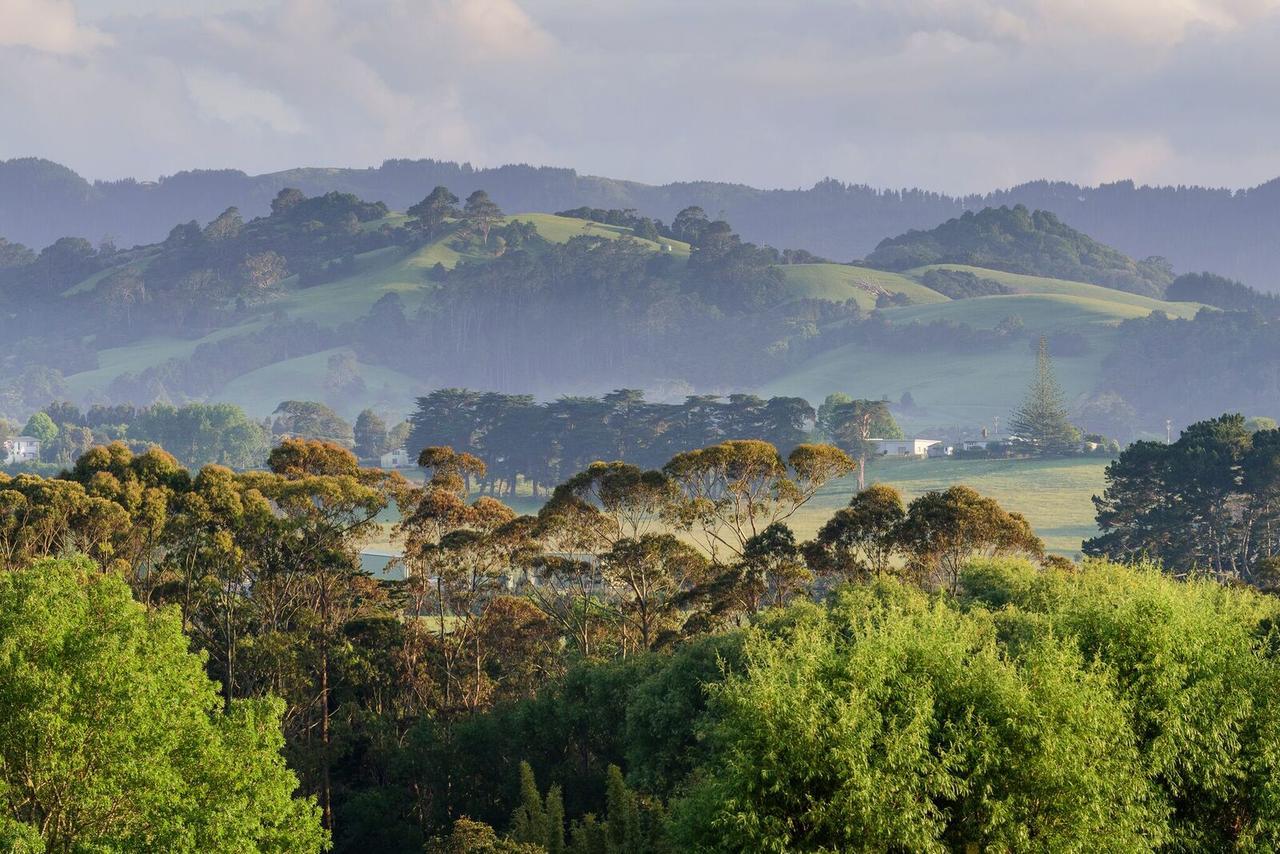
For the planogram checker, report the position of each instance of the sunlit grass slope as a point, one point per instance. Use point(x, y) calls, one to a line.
point(840, 282)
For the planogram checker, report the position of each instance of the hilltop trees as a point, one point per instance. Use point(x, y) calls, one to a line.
point(1041, 424)
point(430, 214)
point(1022, 241)
point(481, 213)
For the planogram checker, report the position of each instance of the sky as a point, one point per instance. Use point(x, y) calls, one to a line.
point(948, 95)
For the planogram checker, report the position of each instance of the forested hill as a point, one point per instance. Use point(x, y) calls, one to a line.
point(1231, 232)
point(1017, 240)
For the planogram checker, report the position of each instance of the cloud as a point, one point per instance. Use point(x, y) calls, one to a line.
point(957, 95)
point(46, 25)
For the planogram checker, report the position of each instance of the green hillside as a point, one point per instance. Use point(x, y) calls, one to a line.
point(376, 273)
point(973, 389)
point(1044, 285)
point(964, 386)
point(840, 282)
point(259, 392)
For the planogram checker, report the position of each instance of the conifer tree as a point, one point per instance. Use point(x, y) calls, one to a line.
point(624, 815)
point(1042, 421)
point(555, 820)
point(529, 822)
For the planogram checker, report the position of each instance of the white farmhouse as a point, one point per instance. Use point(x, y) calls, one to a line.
point(904, 447)
point(21, 449)
point(397, 459)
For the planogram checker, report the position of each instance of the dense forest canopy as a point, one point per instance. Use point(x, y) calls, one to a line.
point(584, 680)
point(1196, 228)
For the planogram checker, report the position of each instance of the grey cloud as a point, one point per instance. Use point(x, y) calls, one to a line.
point(940, 93)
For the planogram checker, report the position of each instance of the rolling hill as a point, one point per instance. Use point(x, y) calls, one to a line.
point(370, 313)
point(1196, 228)
point(974, 389)
point(373, 275)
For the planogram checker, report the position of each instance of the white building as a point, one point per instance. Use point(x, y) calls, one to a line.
point(397, 459)
point(904, 447)
point(21, 449)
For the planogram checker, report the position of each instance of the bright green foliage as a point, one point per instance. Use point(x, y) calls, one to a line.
point(112, 738)
point(41, 426)
point(1105, 708)
point(475, 837)
point(1194, 665)
point(588, 836)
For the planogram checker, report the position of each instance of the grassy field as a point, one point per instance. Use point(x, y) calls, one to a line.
point(561, 229)
point(1041, 285)
point(949, 390)
point(840, 282)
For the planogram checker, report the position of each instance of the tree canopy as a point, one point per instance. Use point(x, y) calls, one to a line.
point(1022, 241)
point(113, 737)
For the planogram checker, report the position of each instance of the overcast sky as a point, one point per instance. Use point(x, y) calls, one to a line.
point(954, 95)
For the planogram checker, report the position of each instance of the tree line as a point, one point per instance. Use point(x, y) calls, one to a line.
point(521, 441)
point(1195, 227)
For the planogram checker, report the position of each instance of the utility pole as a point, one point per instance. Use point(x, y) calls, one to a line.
point(1168, 431)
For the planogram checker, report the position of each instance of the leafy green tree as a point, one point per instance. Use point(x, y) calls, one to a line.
point(852, 424)
point(887, 722)
point(733, 491)
point(623, 813)
point(310, 420)
point(651, 573)
point(1195, 685)
point(529, 822)
point(430, 214)
point(861, 540)
point(41, 426)
point(202, 433)
point(135, 752)
point(943, 531)
point(481, 213)
point(1041, 423)
point(1209, 501)
point(370, 435)
point(474, 837)
point(555, 820)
